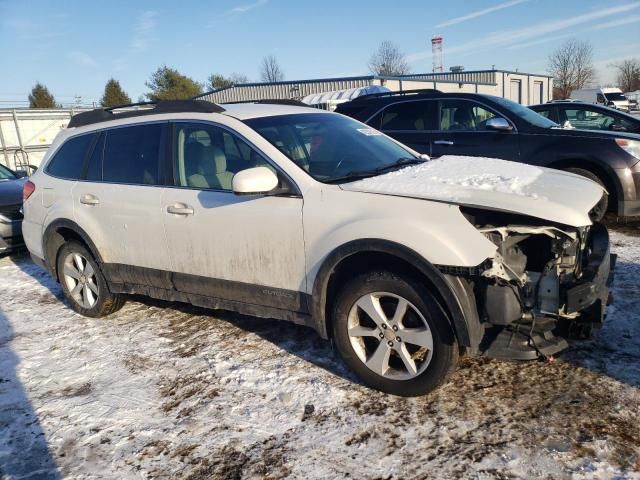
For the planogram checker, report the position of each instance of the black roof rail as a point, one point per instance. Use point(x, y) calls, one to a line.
point(393, 94)
point(271, 101)
point(161, 106)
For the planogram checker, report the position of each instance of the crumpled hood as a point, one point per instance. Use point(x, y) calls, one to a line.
point(495, 184)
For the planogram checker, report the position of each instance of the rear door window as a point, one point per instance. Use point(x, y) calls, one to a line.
point(132, 154)
point(406, 116)
point(94, 166)
point(68, 161)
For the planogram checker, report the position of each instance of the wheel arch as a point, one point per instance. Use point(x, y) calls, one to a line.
point(604, 172)
point(456, 297)
point(56, 234)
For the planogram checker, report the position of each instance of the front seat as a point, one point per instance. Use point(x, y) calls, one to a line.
point(223, 177)
point(462, 119)
point(207, 167)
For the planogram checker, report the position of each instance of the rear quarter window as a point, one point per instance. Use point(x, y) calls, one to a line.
point(68, 161)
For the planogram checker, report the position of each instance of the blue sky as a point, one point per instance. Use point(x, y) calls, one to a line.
point(74, 47)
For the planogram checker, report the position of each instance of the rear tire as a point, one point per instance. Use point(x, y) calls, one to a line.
point(393, 334)
point(83, 284)
point(602, 206)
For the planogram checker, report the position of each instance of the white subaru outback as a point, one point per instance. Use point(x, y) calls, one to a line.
point(280, 211)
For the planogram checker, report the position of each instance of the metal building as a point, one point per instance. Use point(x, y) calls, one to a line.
point(524, 88)
point(27, 133)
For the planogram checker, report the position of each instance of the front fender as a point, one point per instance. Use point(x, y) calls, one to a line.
point(454, 292)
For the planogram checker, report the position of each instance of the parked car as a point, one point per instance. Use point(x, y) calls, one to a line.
point(11, 184)
point(609, 96)
point(437, 123)
point(589, 117)
point(286, 212)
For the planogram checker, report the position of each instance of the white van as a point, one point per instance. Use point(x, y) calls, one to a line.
point(609, 96)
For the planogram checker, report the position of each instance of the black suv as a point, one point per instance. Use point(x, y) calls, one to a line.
point(438, 123)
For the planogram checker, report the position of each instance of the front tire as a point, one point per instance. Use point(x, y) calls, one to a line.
point(393, 334)
point(83, 284)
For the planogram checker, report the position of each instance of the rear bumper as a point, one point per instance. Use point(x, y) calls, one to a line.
point(591, 294)
point(10, 235)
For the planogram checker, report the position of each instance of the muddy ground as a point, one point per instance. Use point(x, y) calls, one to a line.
point(163, 390)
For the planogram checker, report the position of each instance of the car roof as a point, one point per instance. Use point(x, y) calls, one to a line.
point(99, 118)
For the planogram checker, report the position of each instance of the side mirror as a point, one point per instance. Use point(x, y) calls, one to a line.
point(498, 123)
point(253, 181)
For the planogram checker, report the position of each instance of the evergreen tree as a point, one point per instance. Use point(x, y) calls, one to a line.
point(169, 84)
point(217, 81)
point(40, 97)
point(114, 95)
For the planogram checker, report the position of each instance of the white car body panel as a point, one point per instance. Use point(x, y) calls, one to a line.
point(436, 231)
point(126, 226)
point(250, 239)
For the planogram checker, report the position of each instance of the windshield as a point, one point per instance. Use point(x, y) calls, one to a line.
point(614, 96)
point(524, 113)
point(331, 147)
point(6, 174)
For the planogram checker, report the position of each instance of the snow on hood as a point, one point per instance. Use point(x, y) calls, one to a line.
point(496, 184)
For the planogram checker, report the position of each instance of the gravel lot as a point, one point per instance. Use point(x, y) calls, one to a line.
point(162, 390)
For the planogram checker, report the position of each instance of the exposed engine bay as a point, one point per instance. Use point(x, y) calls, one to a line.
point(544, 282)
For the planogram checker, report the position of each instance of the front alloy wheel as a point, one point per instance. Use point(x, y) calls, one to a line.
point(390, 335)
point(393, 334)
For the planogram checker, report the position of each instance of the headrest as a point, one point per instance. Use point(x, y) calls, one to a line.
point(462, 115)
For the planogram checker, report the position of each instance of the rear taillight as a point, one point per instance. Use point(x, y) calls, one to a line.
point(27, 190)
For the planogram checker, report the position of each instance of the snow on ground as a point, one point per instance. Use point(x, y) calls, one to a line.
point(162, 390)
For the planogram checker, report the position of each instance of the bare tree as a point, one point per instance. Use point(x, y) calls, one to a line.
point(388, 61)
point(270, 70)
point(571, 65)
point(628, 77)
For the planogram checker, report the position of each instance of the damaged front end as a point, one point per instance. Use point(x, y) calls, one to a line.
point(544, 284)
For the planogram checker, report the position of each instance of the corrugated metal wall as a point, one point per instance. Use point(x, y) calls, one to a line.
point(300, 89)
point(258, 91)
point(488, 76)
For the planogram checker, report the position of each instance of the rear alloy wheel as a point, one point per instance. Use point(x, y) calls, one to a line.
point(80, 279)
point(393, 334)
point(83, 283)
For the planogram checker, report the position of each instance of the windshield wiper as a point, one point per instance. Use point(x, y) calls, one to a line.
point(356, 175)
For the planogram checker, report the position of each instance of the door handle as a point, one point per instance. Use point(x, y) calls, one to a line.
point(180, 209)
point(89, 199)
point(443, 142)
